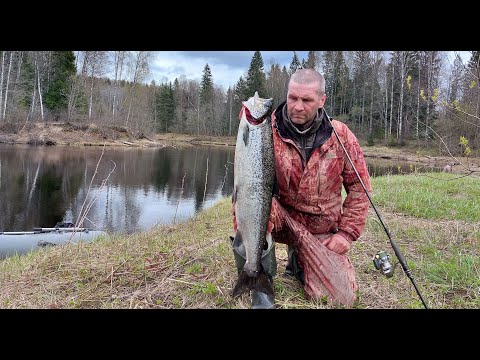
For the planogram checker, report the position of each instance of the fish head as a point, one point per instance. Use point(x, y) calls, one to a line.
point(257, 107)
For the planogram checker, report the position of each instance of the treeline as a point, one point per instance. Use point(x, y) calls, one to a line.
point(385, 97)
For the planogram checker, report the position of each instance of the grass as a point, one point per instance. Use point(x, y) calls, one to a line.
point(191, 265)
point(430, 196)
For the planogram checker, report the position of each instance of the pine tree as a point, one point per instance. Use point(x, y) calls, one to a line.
point(311, 60)
point(166, 107)
point(256, 80)
point(240, 91)
point(63, 71)
point(207, 100)
point(206, 91)
point(295, 64)
point(27, 81)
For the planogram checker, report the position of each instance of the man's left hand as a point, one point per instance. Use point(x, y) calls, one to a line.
point(337, 243)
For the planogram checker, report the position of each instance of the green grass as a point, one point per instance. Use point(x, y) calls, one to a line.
point(435, 221)
point(434, 196)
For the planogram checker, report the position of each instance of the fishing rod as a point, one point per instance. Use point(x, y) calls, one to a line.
point(396, 249)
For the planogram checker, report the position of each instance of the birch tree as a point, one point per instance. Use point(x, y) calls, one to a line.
point(138, 69)
point(119, 60)
point(39, 88)
point(1, 82)
point(6, 87)
point(95, 66)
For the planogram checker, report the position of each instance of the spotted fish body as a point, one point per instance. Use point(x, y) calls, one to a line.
point(254, 175)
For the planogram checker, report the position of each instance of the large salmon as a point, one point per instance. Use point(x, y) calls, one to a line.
point(254, 175)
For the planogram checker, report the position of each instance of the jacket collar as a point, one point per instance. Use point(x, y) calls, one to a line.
point(324, 132)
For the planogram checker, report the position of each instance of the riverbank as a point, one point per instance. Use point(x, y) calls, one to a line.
point(94, 135)
point(434, 221)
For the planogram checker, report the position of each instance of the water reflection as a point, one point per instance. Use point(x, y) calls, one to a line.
point(381, 167)
point(40, 186)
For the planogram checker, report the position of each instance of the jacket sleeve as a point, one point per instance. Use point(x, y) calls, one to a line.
point(355, 206)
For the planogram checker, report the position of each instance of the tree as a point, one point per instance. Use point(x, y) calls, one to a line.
point(207, 99)
point(295, 64)
point(455, 80)
point(239, 94)
point(336, 81)
point(472, 85)
point(119, 59)
point(256, 79)
point(166, 107)
point(206, 86)
point(311, 60)
point(229, 102)
point(138, 69)
point(277, 80)
point(181, 106)
point(63, 69)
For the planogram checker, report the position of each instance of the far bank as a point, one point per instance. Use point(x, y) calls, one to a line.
point(51, 133)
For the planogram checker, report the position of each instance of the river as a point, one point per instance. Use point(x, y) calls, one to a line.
point(119, 189)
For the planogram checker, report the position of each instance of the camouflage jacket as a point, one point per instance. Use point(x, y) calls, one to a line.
point(311, 192)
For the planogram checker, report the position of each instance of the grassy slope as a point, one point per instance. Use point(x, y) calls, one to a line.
point(190, 265)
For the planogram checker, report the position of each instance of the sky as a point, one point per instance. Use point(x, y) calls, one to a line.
point(226, 66)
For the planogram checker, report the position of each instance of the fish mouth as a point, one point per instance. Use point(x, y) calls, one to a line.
point(253, 120)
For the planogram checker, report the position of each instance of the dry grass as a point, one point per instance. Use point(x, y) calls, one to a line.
point(183, 266)
point(190, 265)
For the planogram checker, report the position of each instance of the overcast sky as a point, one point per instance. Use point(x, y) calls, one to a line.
point(226, 66)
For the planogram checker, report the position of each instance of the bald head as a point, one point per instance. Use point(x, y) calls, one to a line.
point(308, 77)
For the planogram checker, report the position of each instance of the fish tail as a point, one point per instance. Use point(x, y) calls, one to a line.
point(262, 283)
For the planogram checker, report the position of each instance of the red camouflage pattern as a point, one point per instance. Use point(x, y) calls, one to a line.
point(309, 202)
point(312, 193)
point(326, 273)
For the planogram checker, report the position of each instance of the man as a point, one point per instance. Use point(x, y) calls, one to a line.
point(307, 208)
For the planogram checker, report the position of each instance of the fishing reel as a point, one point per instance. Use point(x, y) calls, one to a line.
point(382, 263)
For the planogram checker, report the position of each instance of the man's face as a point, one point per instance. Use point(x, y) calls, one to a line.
point(303, 102)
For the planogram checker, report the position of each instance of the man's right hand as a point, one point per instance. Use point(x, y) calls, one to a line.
point(338, 244)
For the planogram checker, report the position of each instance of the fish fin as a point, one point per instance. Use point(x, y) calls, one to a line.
point(238, 243)
point(262, 283)
point(244, 283)
point(239, 239)
point(245, 135)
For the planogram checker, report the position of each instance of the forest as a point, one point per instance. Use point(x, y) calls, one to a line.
point(391, 98)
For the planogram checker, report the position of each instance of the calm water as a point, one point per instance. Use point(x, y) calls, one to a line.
point(381, 167)
point(40, 186)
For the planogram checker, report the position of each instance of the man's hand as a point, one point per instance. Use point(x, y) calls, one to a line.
point(337, 243)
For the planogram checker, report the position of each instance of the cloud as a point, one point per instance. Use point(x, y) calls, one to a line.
point(226, 66)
